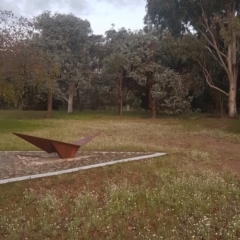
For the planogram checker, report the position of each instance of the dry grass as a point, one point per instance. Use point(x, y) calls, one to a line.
point(127, 134)
point(172, 197)
point(117, 135)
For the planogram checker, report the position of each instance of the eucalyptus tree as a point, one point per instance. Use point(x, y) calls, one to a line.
point(115, 64)
point(114, 72)
point(65, 38)
point(164, 88)
point(215, 21)
point(7, 24)
point(94, 95)
point(144, 64)
point(199, 62)
point(170, 93)
point(15, 33)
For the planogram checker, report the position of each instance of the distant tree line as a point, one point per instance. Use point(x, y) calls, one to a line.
point(185, 59)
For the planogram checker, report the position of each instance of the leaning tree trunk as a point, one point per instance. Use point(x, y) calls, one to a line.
point(49, 104)
point(232, 77)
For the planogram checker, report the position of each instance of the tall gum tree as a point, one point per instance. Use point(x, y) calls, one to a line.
point(22, 67)
point(115, 64)
point(217, 21)
point(66, 39)
point(143, 54)
point(114, 71)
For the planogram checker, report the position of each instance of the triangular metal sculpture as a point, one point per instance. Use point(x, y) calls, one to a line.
point(63, 149)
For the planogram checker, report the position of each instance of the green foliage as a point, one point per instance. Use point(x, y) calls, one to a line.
point(144, 56)
point(65, 38)
point(63, 57)
point(170, 93)
point(16, 67)
point(182, 16)
point(214, 27)
point(114, 65)
point(166, 15)
point(7, 93)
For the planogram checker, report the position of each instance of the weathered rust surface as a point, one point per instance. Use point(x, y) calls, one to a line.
point(83, 141)
point(63, 149)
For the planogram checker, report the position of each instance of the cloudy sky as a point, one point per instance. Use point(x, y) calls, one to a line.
point(100, 13)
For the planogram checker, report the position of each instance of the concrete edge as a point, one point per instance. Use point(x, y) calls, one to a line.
point(42, 175)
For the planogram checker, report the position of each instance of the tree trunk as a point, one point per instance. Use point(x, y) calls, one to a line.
point(71, 93)
point(49, 104)
point(70, 103)
point(120, 95)
point(232, 105)
point(120, 108)
point(232, 77)
point(80, 108)
point(152, 102)
point(221, 106)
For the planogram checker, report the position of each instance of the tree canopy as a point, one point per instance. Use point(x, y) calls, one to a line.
point(187, 50)
point(215, 28)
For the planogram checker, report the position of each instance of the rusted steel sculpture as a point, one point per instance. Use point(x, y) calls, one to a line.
point(63, 149)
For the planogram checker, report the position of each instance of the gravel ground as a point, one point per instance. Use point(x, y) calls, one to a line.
point(17, 164)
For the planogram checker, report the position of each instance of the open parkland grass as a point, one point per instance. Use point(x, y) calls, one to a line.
point(191, 193)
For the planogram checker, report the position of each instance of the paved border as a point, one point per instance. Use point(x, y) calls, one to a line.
point(17, 179)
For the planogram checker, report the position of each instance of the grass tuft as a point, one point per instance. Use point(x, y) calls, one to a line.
point(176, 196)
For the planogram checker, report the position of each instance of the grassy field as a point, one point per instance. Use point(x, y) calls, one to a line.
point(191, 193)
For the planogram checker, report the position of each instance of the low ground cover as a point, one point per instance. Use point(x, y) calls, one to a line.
point(192, 193)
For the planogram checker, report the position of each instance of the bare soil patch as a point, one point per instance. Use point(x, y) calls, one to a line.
point(226, 154)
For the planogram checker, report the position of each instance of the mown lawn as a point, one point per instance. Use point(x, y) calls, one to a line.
point(188, 194)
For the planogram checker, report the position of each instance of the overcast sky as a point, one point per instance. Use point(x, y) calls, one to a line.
point(100, 13)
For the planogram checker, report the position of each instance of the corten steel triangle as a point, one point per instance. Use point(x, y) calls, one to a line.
point(63, 149)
